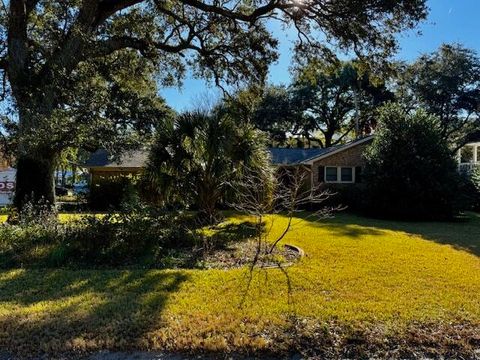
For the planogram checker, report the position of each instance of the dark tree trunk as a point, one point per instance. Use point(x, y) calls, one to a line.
point(36, 157)
point(35, 180)
point(74, 174)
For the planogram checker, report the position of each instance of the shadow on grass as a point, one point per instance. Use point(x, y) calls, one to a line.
point(225, 235)
point(65, 310)
point(462, 233)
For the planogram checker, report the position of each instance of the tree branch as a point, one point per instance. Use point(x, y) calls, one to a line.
point(106, 47)
point(107, 8)
point(235, 15)
point(17, 38)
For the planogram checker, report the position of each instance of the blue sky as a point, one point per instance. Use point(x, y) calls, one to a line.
point(449, 21)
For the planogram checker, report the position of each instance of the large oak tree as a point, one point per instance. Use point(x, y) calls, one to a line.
point(446, 83)
point(50, 47)
point(337, 100)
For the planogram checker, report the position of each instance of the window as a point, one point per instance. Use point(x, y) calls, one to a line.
point(331, 174)
point(347, 174)
point(338, 174)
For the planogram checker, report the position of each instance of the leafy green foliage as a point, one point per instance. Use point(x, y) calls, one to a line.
point(110, 193)
point(196, 156)
point(410, 173)
point(271, 109)
point(332, 96)
point(476, 183)
point(138, 236)
point(86, 71)
point(470, 189)
point(319, 108)
point(447, 83)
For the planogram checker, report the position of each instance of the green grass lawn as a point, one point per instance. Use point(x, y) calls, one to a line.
point(366, 279)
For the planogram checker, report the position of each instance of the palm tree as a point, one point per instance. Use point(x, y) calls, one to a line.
point(197, 155)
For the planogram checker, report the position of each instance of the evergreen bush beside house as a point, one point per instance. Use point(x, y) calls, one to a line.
point(111, 193)
point(410, 172)
point(474, 189)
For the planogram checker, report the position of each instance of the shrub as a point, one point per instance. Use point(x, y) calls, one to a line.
point(138, 236)
point(475, 179)
point(410, 172)
point(126, 238)
point(109, 193)
point(195, 157)
point(469, 194)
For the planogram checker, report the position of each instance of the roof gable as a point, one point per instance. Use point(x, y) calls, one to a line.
point(337, 149)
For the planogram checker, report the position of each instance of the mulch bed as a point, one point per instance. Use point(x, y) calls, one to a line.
point(243, 253)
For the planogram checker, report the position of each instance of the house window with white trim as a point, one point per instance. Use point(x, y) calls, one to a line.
point(331, 174)
point(346, 174)
point(339, 174)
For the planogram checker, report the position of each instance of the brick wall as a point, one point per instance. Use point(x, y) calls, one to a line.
point(349, 157)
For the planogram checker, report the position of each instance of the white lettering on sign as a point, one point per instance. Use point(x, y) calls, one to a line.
point(7, 186)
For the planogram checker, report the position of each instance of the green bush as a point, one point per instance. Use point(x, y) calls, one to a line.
point(135, 237)
point(469, 193)
point(410, 172)
point(109, 193)
point(475, 179)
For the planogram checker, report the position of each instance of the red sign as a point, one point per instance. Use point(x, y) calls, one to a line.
point(7, 186)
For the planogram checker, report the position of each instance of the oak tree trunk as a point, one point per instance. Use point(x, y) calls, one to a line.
point(36, 159)
point(35, 180)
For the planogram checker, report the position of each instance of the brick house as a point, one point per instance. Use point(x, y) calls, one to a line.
point(337, 165)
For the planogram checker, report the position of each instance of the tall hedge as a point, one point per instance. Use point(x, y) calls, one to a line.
point(410, 172)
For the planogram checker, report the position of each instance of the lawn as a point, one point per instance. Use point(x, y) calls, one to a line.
point(364, 284)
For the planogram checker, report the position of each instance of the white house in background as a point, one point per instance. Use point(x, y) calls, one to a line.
point(469, 156)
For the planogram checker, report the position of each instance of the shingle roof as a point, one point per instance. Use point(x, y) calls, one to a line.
point(280, 156)
point(284, 156)
point(131, 159)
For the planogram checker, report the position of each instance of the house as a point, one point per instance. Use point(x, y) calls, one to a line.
point(336, 165)
point(339, 165)
point(101, 165)
point(469, 155)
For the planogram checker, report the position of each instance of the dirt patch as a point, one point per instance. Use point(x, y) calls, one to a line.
point(243, 253)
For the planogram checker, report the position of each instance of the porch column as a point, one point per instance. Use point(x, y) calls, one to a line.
point(459, 156)
point(475, 153)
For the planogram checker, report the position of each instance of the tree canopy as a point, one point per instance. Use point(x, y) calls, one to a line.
point(59, 57)
point(320, 108)
point(336, 100)
point(447, 83)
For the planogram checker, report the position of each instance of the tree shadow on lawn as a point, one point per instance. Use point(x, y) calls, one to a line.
point(57, 311)
point(463, 233)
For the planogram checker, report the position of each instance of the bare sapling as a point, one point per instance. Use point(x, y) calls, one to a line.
point(287, 193)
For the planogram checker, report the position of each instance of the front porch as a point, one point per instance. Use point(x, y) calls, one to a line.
point(469, 157)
